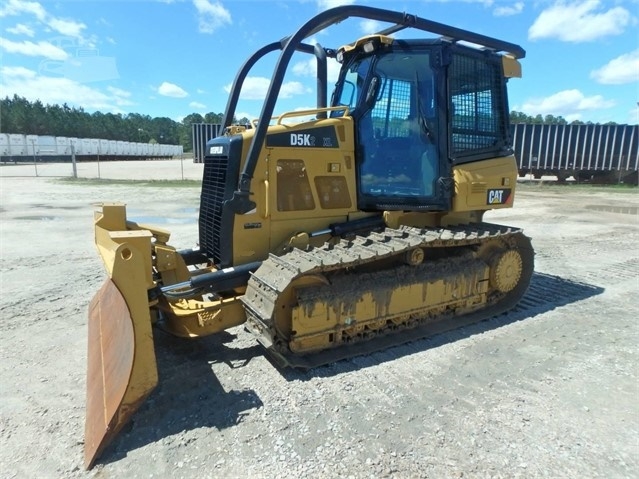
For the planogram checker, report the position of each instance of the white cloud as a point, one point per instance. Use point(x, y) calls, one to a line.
point(21, 29)
point(308, 68)
point(17, 72)
point(172, 90)
point(40, 49)
point(66, 27)
point(579, 21)
point(197, 105)
point(121, 97)
point(292, 88)
point(255, 88)
point(509, 10)
point(118, 91)
point(567, 103)
point(28, 84)
point(369, 27)
point(305, 69)
point(326, 4)
point(211, 15)
point(69, 28)
point(620, 70)
point(17, 7)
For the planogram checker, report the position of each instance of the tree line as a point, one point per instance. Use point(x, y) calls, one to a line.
point(519, 117)
point(18, 115)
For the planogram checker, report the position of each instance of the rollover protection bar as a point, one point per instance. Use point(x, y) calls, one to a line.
point(241, 203)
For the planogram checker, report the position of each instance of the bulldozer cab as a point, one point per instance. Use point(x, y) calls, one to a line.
point(420, 107)
point(437, 102)
point(393, 101)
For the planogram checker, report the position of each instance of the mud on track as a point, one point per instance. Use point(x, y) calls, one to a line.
point(546, 390)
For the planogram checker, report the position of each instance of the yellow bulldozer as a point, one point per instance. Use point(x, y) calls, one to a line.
point(329, 237)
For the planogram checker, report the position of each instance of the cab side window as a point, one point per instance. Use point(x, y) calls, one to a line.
point(477, 121)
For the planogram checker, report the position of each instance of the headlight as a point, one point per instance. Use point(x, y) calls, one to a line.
point(368, 47)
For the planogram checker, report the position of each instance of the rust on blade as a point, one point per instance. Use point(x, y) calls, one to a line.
point(121, 368)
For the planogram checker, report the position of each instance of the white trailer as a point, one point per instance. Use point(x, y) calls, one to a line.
point(63, 146)
point(50, 147)
point(119, 151)
point(75, 146)
point(31, 145)
point(95, 146)
point(4, 144)
point(104, 147)
point(17, 145)
point(86, 146)
point(136, 149)
point(144, 150)
point(46, 146)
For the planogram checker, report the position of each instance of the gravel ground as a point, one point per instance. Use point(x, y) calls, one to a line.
point(548, 390)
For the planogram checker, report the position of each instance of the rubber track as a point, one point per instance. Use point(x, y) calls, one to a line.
point(278, 272)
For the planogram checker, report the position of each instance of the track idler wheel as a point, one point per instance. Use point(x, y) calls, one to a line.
point(506, 264)
point(505, 270)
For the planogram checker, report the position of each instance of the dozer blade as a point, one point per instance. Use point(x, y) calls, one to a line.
point(121, 369)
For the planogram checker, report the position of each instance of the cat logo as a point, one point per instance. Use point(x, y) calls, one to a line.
point(498, 197)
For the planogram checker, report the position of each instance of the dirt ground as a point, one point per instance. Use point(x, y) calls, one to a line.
point(547, 390)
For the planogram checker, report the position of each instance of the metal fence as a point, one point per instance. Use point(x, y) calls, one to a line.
point(203, 132)
point(181, 168)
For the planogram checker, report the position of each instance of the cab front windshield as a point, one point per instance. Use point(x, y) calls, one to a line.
point(392, 100)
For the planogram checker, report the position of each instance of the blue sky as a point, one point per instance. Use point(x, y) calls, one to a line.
point(175, 57)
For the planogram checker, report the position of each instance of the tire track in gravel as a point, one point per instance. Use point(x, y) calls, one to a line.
point(370, 388)
point(43, 296)
point(548, 390)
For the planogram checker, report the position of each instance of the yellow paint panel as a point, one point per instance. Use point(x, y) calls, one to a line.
point(474, 182)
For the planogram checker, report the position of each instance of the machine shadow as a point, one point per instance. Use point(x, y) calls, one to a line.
point(545, 293)
point(190, 396)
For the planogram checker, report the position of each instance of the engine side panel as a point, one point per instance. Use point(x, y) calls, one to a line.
point(485, 185)
point(304, 181)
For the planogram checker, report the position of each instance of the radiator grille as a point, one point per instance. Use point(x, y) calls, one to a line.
point(211, 202)
point(219, 181)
